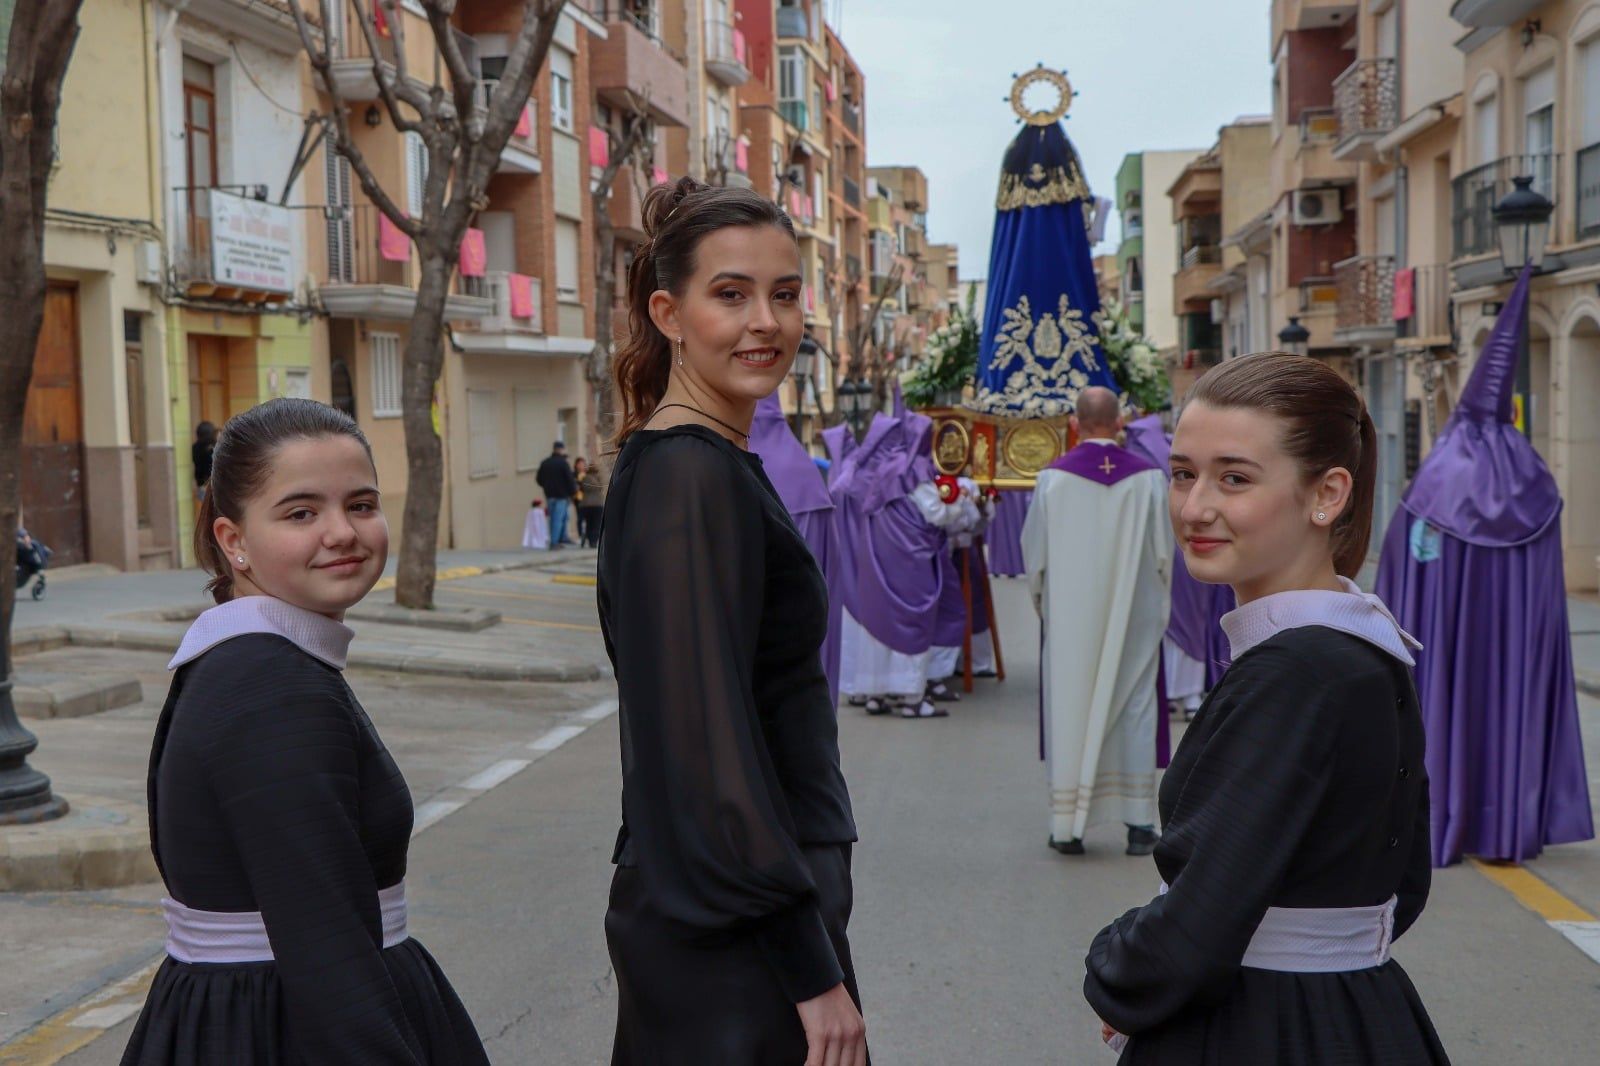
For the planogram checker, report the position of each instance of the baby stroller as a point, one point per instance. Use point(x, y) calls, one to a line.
point(32, 557)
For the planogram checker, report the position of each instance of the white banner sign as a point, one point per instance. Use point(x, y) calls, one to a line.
point(252, 243)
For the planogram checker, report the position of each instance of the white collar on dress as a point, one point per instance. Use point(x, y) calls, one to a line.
point(1352, 611)
point(315, 634)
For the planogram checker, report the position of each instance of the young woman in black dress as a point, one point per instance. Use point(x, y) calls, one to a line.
point(732, 892)
point(1294, 845)
point(278, 819)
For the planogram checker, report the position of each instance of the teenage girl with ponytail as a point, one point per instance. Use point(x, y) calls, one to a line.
point(1294, 846)
point(732, 891)
point(278, 819)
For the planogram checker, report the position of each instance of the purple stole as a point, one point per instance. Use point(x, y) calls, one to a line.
point(1104, 464)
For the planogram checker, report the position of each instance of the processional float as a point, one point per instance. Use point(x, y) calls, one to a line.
point(1039, 344)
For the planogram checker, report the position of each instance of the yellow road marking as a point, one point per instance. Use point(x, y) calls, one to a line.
point(1533, 892)
point(565, 601)
point(551, 625)
point(56, 1037)
point(454, 573)
point(572, 579)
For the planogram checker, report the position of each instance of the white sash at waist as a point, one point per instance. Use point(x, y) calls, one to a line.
point(241, 936)
point(1321, 939)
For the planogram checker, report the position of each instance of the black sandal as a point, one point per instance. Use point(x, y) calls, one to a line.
point(876, 706)
point(925, 709)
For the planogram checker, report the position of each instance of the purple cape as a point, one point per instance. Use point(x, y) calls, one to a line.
point(1005, 533)
point(840, 442)
point(800, 487)
point(889, 551)
point(1472, 567)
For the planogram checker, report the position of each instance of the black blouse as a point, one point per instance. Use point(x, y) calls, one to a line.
point(269, 790)
point(1299, 784)
point(714, 614)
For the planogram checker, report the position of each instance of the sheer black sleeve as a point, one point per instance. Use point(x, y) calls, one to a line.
point(282, 760)
point(710, 832)
point(1253, 791)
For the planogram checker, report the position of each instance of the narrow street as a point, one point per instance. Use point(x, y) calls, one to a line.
point(969, 933)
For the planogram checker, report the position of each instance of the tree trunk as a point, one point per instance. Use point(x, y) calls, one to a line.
point(597, 370)
point(424, 360)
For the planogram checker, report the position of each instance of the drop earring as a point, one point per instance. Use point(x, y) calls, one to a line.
point(680, 351)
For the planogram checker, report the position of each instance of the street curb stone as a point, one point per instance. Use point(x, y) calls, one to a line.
point(453, 619)
point(76, 697)
point(1589, 683)
point(101, 843)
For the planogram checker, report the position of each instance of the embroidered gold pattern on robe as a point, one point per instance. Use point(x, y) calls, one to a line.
point(1040, 188)
point(1026, 343)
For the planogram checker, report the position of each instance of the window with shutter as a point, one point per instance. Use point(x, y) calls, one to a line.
point(483, 440)
point(532, 437)
point(566, 260)
point(385, 350)
point(341, 236)
point(561, 89)
point(416, 173)
point(1589, 82)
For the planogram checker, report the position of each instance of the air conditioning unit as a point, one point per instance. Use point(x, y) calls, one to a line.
point(147, 263)
point(1317, 207)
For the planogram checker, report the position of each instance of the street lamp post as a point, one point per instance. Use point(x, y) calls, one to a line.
point(852, 396)
point(804, 359)
point(1523, 219)
point(1294, 337)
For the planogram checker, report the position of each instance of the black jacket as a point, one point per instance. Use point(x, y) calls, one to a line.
point(555, 478)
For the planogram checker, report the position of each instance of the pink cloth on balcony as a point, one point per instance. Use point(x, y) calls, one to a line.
point(658, 176)
point(832, 92)
point(521, 288)
point(474, 254)
point(1405, 293)
point(525, 122)
point(741, 155)
point(393, 244)
point(739, 48)
point(380, 21)
point(599, 147)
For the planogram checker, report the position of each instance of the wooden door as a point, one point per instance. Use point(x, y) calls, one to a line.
point(52, 434)
point(209, 394)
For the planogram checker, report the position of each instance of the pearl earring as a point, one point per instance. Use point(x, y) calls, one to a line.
point(241, 560)
point(1322, 516)
point(680, 351)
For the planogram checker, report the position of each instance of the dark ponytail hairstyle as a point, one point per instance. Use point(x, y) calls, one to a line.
point(240, 465)
point(677, 217)
point(1326, 425)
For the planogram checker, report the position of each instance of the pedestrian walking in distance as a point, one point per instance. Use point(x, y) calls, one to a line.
point(555, 477)
point(591, 501)
point(1294, 844)
point(732, 892)
point(279, 821)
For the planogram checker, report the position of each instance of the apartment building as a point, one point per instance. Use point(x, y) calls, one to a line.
point(1314, 192)
point(99, 434)
point(944, 279)
point(1147, 257)
point(898, 217)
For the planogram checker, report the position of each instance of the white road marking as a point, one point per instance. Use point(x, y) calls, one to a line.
point(106, 1017)
point(432, 811)
point(556, 737)
point(1585, 936)
point(600, 711)
point(504, 770)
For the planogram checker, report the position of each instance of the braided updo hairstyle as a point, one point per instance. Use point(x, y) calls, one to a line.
point(677, 217)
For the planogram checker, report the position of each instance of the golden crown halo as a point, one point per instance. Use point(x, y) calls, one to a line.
point(1048, 117)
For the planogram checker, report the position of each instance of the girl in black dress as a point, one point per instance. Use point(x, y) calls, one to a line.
point(278, 819)
point(1294, 845)
point(732, 891)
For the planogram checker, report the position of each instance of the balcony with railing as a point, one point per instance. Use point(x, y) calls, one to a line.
point(792, 22)
point(370, 271)
point(1365, 312)
point(852, 193)
point(521, 153)
point(1423, 313)
point(516, 322)
point(1474, 194)
point(1313, 161)
point(851, 116)
point(1367, 98)
point(795, 112)
point(1198, 266)
point(1586, 197)
point(229, 243)
point(633, 67)
point(726, 54)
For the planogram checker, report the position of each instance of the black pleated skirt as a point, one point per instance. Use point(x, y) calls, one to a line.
point(1368, 1017)
point(693, 1000)
point(232, 1014)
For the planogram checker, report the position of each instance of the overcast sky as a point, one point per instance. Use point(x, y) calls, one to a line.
point(1149, 74)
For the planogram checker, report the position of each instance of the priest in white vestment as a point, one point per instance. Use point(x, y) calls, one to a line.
point(1097, 544)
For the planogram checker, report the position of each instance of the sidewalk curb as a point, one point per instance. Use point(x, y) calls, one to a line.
point(100, 843)
point(1588, 683)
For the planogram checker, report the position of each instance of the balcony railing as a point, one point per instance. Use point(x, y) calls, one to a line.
point(1587, 199)
point(852, 117)
point(1474, 194)
point(1366, 293)
point(1319, 125)
point(852, 193)
point(351, 237)
point(1367, 98)
point(726, 54)
point(795, 112)
point(852, 267)
point(792, 22)
point(229, 239)
point(499, 286)
point(1422, 307)
point(1318, 295)
point(1200, 254)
